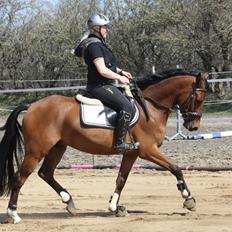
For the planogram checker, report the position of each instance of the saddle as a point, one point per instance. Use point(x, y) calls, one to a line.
point(95, 114)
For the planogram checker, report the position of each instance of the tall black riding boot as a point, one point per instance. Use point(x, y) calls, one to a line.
point(122, 126)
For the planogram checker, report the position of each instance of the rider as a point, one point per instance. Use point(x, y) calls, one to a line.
point(103, 74)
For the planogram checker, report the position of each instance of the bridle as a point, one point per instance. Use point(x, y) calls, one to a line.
point(188, 114)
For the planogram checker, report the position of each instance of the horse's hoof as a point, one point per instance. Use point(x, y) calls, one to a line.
point(12, 217)
point(71, 208)
point(190, 204)
point(121, 211)
point(10, 220)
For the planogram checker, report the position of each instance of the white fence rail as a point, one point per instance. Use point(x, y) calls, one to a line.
point(220, 80)
point(41, 80)
point(40, 89)
point(26, 90)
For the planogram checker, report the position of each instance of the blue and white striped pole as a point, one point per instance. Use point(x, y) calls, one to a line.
point(213, 135)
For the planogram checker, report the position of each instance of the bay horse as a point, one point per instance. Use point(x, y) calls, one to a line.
point(53, 123)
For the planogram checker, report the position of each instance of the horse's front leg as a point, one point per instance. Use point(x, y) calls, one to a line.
point(190, 202)
point(157, 157)
point(126, 165)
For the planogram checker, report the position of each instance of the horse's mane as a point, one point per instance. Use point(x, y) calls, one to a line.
point(158, 77)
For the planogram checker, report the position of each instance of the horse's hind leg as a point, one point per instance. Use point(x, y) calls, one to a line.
point(157, 157)
point(46, 172)
point(29, 164)
point(126, 165)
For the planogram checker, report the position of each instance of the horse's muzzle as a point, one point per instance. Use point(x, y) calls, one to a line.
point(192, 120)
point(192, 125)
point(191, 128)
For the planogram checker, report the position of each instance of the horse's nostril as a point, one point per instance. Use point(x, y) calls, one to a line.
point(190, 126)
point(194, 128)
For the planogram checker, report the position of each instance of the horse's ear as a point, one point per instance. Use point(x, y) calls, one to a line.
point(198, 78)
point(202, 76)
point(205, 75)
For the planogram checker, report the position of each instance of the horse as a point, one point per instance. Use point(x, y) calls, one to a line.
point(52, 123)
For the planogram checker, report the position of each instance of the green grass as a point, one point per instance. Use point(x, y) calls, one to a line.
point(219, 109)
point(221, 113)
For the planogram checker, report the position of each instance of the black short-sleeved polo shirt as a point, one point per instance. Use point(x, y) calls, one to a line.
point(97, 50)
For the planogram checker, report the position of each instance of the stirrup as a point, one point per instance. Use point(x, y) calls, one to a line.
point(126, 146)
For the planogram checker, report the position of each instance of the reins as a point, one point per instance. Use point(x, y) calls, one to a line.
point(138, 95)
point(159, 105)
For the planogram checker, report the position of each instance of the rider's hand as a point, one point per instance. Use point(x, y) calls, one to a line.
point(124, 80)
point(126, 74)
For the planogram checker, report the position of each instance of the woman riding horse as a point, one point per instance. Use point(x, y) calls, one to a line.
point(53, 123)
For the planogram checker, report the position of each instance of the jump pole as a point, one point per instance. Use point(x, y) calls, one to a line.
point(213, 135)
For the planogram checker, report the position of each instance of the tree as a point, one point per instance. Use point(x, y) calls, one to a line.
point(13, 19)
point(202, 29)
point(36, 40)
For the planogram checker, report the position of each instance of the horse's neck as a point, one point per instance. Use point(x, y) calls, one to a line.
point(162, 93)
point(163, 96)
point(166, 92)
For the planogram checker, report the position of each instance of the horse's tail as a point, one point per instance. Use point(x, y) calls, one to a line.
point(10, 150)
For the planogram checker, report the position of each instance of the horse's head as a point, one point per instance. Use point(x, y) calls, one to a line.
point(191, 103)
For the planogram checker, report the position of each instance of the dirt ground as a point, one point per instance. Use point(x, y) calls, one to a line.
point(151, 197)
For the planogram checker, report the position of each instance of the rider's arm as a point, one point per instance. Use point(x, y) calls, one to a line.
point(106, 72)
point(124, 73)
